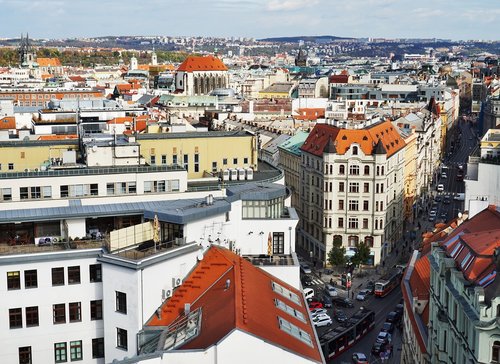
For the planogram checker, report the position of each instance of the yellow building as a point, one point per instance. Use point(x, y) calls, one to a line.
point(31, 155)
point(277, 91)
point(200, 152)
point(410, 175)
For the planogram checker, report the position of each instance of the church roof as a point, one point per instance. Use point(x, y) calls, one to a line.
point(199, 63)
point(48, 62)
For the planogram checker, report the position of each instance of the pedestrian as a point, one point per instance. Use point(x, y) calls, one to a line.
point(319, 275)
point(383, 263)
point(352, 295)
point(331, 281)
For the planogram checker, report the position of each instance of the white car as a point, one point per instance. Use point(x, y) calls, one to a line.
point(363, 294)
point(304, 267)
point(317, 312)
point(331, 290)
point(322, 320)
point(444, 176)
point(440, 187)
point(384, 337)
point(433, 213)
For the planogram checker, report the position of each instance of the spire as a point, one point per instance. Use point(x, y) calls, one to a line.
point(330, 147)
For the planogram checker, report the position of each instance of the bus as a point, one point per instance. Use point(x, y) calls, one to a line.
point(335, 341)
point(387, 282)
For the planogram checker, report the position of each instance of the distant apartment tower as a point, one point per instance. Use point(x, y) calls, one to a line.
point(351, 189)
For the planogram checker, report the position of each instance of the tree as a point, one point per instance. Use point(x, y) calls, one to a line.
point(336, 256)
point(362, 254)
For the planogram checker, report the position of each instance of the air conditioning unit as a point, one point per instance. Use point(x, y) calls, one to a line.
point(165, 294)
point(176, 281)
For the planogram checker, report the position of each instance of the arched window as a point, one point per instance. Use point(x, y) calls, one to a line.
point(353, 240)
point(354, 150)
point(382, 170)
point(378, 170)
point(367, 170)
point(369, 241)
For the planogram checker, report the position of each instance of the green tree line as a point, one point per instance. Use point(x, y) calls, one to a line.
point(73, 57)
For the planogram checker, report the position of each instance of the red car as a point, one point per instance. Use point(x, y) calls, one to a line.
point(315, 304)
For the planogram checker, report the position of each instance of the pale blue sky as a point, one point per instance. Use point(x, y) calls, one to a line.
point(454, 19)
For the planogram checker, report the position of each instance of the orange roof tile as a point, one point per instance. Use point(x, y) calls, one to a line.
point(343, 138)
point(206, 63)
point(8, 122)
point(48, 62)
point(247, 305)
point(57, 137)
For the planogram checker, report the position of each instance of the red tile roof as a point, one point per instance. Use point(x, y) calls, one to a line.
point(247, 305)
point(343, 138)
point(48, 62)
point(7, 122)
point(206, 63)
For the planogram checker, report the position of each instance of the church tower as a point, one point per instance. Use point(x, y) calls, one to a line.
point(133, 63)
point(154, 58)
point(27, 55)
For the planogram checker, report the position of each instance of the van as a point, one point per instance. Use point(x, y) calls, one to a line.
point(308, 293)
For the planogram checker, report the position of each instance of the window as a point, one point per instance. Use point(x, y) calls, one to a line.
point(290, 310)
point(152, 159)
point(278, 243)
point(75, 312)
point(6, 192)
point(354, 150)
point(64, 191)
point(186, 162)
point(13, 280)
point(94, 189)
point(214, 166)
point(295, 331)
point(353, 223)
point(235, 161)
point(30, 279)
point(366, 188)
point(245, 160)
point(96, 310)
point(95, 272)
point(224, 161)
point(60, 352)
point(341, 169)
point(25, 355)
point(353, 187)
point(341, 204)
point(495, 354)
point(365, 205)
point(354, 170)
point(341, 222)
point(59, 313)
point(353, 205)
point(285, 293)
point(367, 170)
point(57, 276)
point(121, 302)
point(164, 159)
point(75, 350)
point(74, 275)
point(121, 338)
point(11, 166)
point(23, 193)
point(31, 316)
point(174, 159)
point(365, 223)
point(35, 192)
point(98, 348)
point(196, 162)
point(110, 189)
point(341, 186)
point(15, 318)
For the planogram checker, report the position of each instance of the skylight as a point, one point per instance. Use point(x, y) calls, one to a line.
point(295, 331)
point(290, 310)
point(286, 293)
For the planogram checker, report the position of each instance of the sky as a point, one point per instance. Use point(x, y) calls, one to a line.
point(446, 19)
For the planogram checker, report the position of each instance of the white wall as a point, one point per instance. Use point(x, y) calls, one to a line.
point(43, 337)
point(76, 228)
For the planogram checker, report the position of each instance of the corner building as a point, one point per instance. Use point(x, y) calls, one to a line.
point(352, 184)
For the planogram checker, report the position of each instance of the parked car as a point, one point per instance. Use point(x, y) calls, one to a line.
point(315, 304)
point(384, 337)
point(342, 302)
point(399, 309)
point(331, 290)
point(392, 317)
point(317, 311)
point(444, 176)
point(388, 327)
point(437, 198)
point(326, 300)
point(308, 293)
point(433, 213)
point(363, 294)
point(359, 358)
point(340, 316)
point(377, 348)
point(440, 187)
point(322, 320)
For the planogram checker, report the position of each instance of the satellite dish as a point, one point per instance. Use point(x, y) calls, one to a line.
point(199, 257)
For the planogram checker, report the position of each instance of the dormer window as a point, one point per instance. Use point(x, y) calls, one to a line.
point(354, 150)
